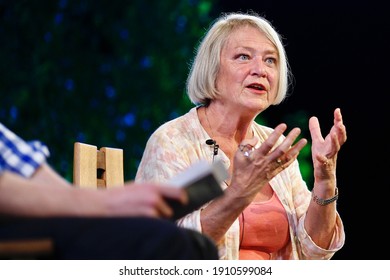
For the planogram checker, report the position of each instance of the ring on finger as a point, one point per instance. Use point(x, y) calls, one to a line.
point(279, 161)
point(246, 149)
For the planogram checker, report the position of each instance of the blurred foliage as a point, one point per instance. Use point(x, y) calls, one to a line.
point(101, 72)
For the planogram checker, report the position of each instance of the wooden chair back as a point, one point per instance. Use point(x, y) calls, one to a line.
point(97, 168)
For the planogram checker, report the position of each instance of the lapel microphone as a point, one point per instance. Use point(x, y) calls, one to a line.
point(215, 146)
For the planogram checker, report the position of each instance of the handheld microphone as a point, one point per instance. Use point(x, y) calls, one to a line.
point(215, 146)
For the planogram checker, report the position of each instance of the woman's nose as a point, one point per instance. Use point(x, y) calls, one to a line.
point(258, 68)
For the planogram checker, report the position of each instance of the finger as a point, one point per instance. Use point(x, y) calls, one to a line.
point(340, 127)
point(158, 195)
point(287, 158)
point(249, 142)
point(323, 160)
point(286, 144)
point(164, 209)
point(337, 116)
point(315, 129)
point(290, 138)
point(296, 149)
point(335, 146)
point(174, 193)
point(247, 146)
point(269, 143)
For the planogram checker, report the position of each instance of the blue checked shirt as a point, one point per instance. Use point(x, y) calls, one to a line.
point(19, 156)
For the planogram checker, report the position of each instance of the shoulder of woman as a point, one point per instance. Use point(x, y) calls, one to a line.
point(176, 128)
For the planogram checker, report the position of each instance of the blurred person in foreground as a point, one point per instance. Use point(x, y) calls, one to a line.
point(130, 222)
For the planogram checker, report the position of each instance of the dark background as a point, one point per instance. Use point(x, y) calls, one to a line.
point(339, 54)
point(110, 72)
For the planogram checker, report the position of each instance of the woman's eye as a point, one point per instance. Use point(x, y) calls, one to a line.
point(243, 56)
point(270, 60)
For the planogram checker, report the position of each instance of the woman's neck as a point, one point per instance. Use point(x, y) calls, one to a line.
point(224, 126)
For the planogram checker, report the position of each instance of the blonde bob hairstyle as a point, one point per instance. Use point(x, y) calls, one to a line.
point(201, 86)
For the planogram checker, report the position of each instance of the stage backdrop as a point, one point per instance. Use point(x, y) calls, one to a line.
point(110, 72)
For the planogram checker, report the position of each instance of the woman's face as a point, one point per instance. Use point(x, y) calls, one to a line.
point(248, 74)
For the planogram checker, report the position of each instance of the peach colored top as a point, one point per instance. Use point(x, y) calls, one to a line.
point(263, 229)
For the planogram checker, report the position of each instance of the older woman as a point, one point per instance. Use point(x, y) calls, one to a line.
point(267, 210)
